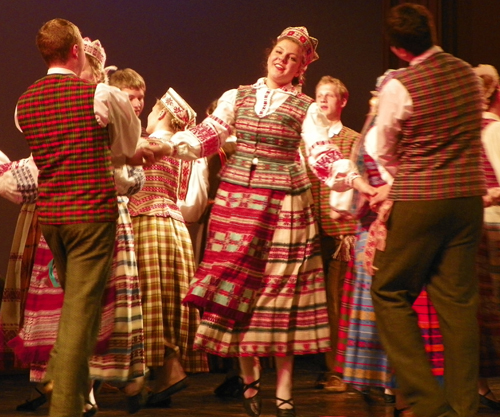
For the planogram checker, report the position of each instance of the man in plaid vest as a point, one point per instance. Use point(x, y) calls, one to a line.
point(429, 139)
point(337, 235)
point(72, 127)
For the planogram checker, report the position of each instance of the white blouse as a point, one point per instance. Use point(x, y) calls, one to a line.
point(320, 152)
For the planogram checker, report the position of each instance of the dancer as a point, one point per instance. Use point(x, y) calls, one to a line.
point(488, 256)
point(260, 283)
point(79, 223)
point(435, 223)
point(337, 236)
point(165, 258)
point(366, 365)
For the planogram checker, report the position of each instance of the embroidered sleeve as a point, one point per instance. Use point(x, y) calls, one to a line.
point(129, 180)
point(19, 181)
point(324, 157)
point(206, 138)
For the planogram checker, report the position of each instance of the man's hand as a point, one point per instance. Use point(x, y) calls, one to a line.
point(363, 187)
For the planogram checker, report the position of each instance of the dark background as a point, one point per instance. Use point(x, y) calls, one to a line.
point(202, 48)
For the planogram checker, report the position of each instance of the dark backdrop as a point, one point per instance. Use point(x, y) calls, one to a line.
point(204, 47)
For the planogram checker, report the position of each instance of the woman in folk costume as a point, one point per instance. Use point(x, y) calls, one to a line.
point(18, 184)
point(260, 284)
point(120, 347)
point(366, 364)
point(488, 258)
point(165, 257)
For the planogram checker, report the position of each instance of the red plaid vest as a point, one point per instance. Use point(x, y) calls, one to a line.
point(70, 149)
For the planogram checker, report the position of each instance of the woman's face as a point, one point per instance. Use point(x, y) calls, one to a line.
point(284, 63)
point(87, 73)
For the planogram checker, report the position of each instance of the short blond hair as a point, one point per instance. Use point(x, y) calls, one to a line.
point(342, 91)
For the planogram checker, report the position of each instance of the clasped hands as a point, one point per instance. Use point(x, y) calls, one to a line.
point(150, 152)
point(375, 196)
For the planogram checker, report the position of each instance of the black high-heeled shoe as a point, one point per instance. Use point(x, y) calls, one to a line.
point(285, 412)
point(34, 404)
point(90, 411)
point(484, 400)
point(253, 404)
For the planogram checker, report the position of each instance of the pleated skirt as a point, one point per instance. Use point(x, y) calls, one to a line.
point(166, 266)
point(366, 363)
point(119, 351)
point(488, 269)
point(289, 315)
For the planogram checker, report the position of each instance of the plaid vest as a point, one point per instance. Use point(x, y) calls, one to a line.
point(489, 172)
point(440, 147)
point(71, 151)
point(321, 193)
point(267, 153)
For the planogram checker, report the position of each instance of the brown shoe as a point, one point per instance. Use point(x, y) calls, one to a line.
point(335, 384)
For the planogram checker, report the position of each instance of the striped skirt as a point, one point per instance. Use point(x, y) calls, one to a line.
point(166, 266)
point(366, 363)
point(17, 281)
point(289, 315)
point(488, 269)
point(119, 351)
point(123, 358)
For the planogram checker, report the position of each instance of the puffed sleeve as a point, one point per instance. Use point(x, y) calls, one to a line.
point(19, 180)
point(195, 201)
point(323, 156)
point(206, 138)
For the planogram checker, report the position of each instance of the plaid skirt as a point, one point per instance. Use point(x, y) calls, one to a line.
point(289, 315)
point(119, 351)
point(488, 270)
point(17, 281)
point(366, 363)
point(166, 266)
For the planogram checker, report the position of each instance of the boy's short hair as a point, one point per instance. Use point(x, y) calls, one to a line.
point(127, 78)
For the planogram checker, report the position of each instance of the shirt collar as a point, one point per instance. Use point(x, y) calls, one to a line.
point(58, 70)
point(288, 89)
point(335, 129)
point(490, 115)
point(422, 57)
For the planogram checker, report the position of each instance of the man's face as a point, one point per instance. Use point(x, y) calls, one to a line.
point(329, 101)
point(136, 97)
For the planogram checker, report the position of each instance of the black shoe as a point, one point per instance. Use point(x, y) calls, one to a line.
point(32, 405)
point(285, 412)
point(253, 404)
point(399, 411)
point(230, 387)
point(162, 398)
point(138, 401)
point(90, 412)
point(484, 400)
point(389, 399)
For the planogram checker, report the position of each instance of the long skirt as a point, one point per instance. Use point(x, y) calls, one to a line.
point(289, 315)
point(119, 350)
point(166, 266)
point(366, 363)
point(488, 269)
point(17, 281)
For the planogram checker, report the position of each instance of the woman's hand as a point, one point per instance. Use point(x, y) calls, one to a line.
point(492, 198)
point(380, 197)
